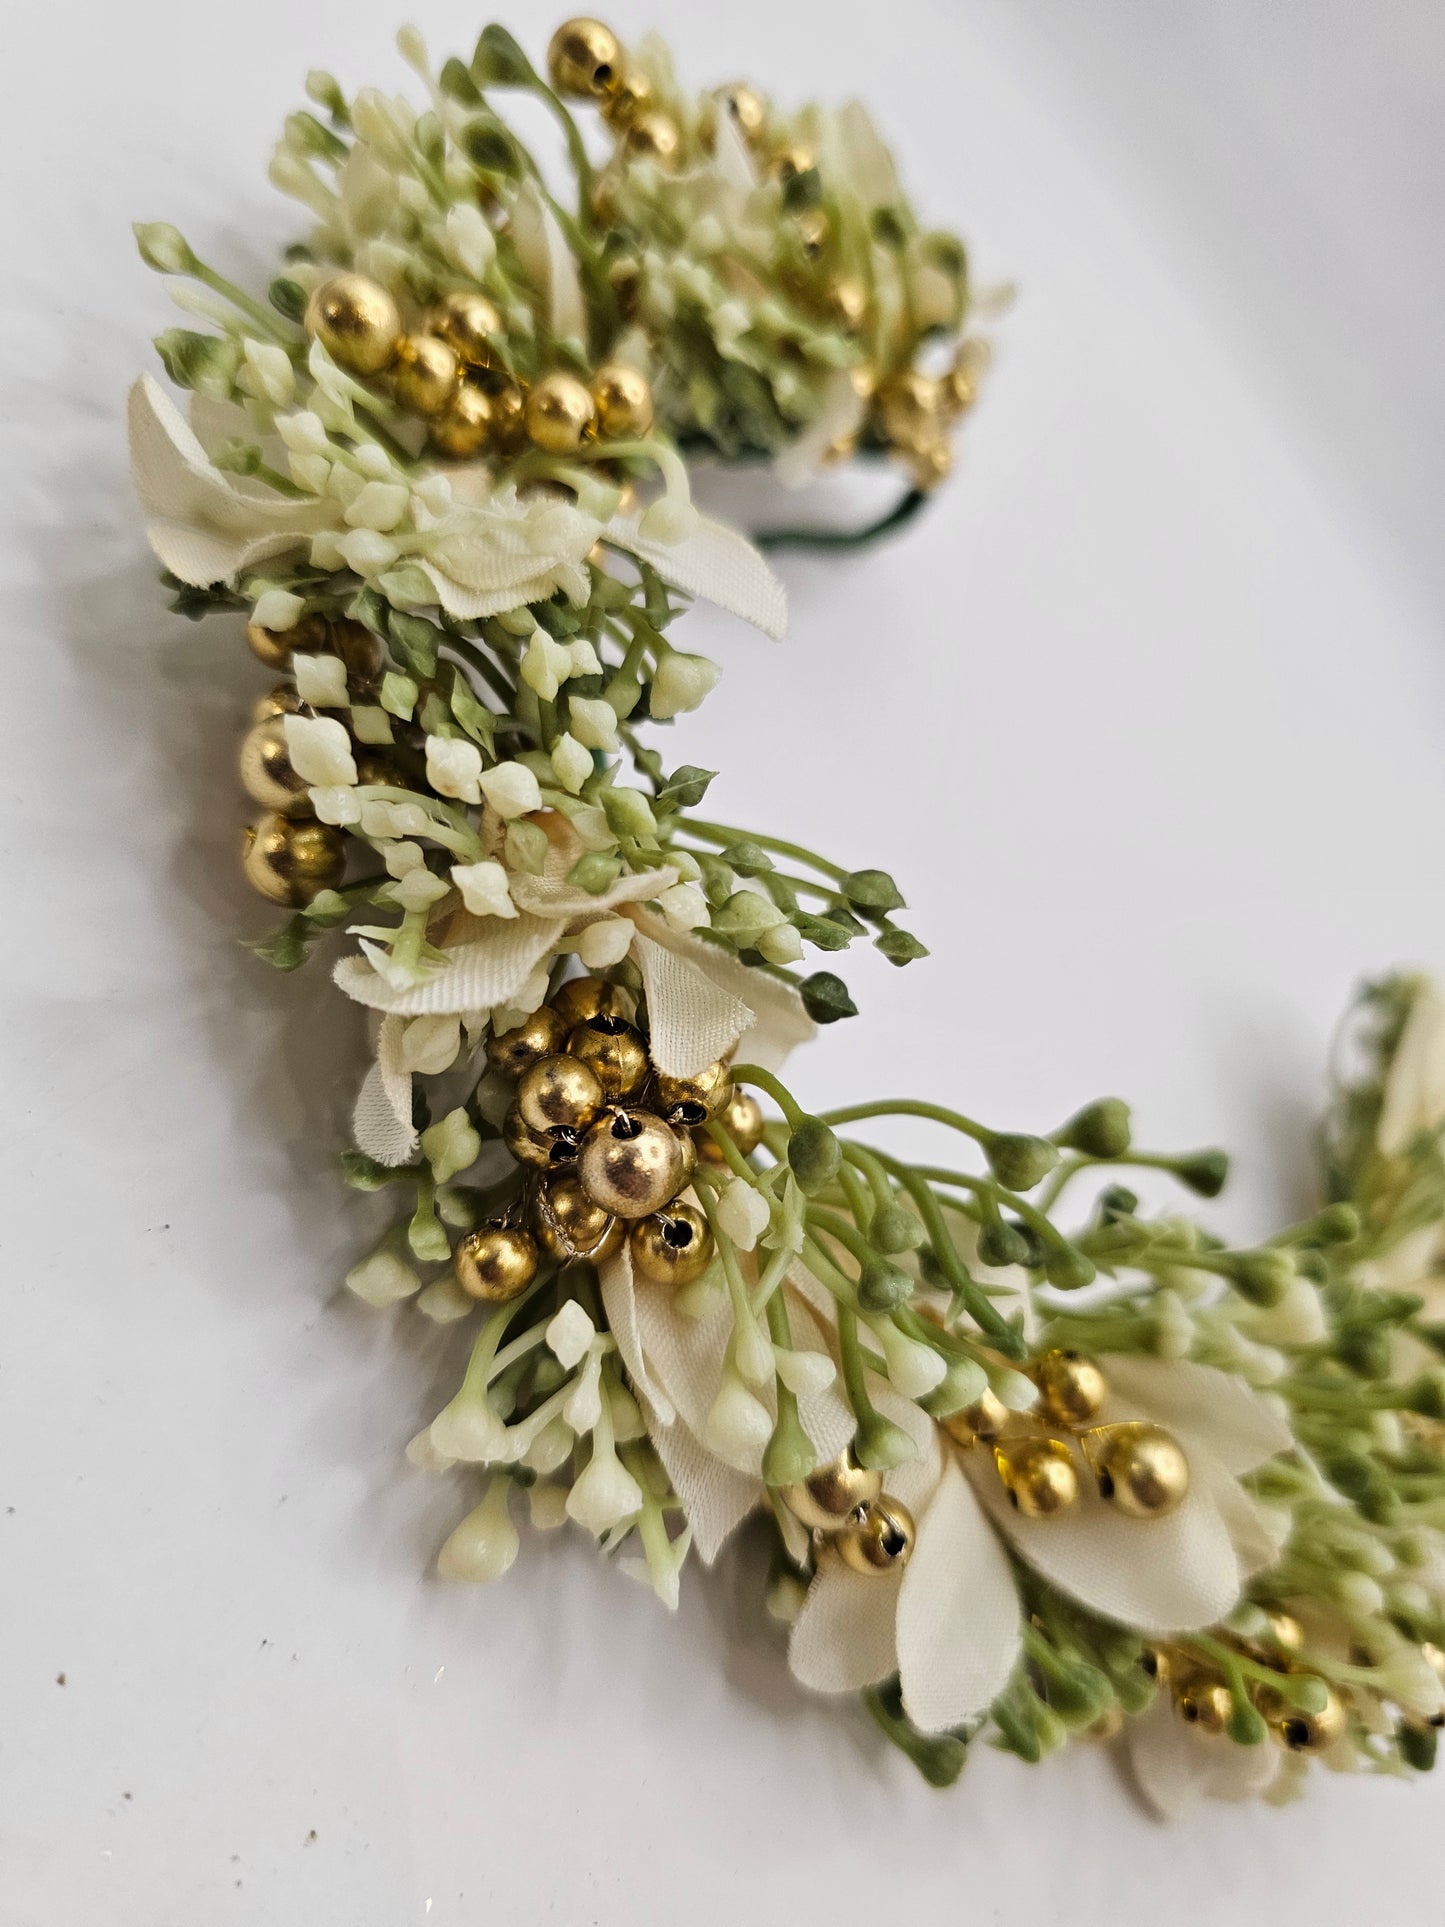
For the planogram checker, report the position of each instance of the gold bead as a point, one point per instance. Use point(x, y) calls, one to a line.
point(266, 773)
point(360, 650)
point(960, 384)
point(280, 701)
point(584, 59)
point(274, 647)
point(542, 1150)
point(1139, 1468)
point(742, 1118)
point(985, 1419)
point(687, 1144)
point(825, 1499)
point(653, 137)
point(356, 321)
point(375, 770)
point(1286, 1633)
point(584, 997)
point(812, 230)
point(569, 1225)
point(1071, 1387)
point(1205, 1703)
point(495, 1263)
point(1039, 1476)
point(559, 1094)
point(464, 427)
point(910, 405)
point(468, 323)
point(509, 414)
point(631, 1164)
point(929, 462)
point(879, 1538)
point(615, 1054)
point(744, 107)
point(560, 414)
point(631, 96)
point(690, 1101)
point(623, 400)
point(790, 161)
point(543, 1034)
point(1313, 1732)
point(1157, 1664)
point(291, 861)
point(424, 374)
point(848, 300)
point(672, 1247)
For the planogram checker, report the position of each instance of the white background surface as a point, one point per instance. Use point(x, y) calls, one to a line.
point(1148, 715)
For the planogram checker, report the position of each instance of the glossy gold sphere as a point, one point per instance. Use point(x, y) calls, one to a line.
point(961, 383)
point(424, 374)
point(559, 1094)
point(1139, 1468)
point(848, 301)
point(653, 137)
point(469, 324)
point(878, 1538)
point(631, 1164)
point(615, 1054)
point(632, 95)
point(1038, 1474)
point(509, 414)
point(464, 427)
point(673, 1247)
point(910, 407)
point(359, 649)
point(929, 462)
point(985, 1419)
point(542, 1150)
point(280, 701)
point(742, 1118)
point(787, 162)
point(274, 647)
point(583, 997)
point(1157, 1664)
point(560, 414)
point(1286, 1633)
point(1313, 1732)
point(1204, 1703)
point(584, 59)
point(374, 770)
point(265, 769)
point(744, 107)
point(569, 1225)
point(623, 400)
point(495, 1263)
point(291, 860)
point(356, 321)
point(1071, 1387)
point(826, 1498)
point(690, 1101)
point(511, 1052)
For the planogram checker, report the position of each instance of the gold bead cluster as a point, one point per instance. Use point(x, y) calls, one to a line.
point(450, 372)
point(1139, 1468)
point(1202, 1699)
point(915, 413)
point(608, 1141)
point(851, 1520)
point(288, 856)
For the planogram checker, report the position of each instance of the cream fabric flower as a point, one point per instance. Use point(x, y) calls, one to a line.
point(488, 552)
point(1175, 1766)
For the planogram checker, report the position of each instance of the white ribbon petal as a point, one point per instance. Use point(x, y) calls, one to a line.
point(477, 976)
point(841, 415)
point(958, 1612)
point(619, 1301)
point(715, 1498)
point(692, 1020)
point(1414, 1099)
point(781, 1023)
point(1199, 1404)
point(381, 1124)
point(845, 1638)
point(548, 260)
point(1175, 1766)
point(715, 562)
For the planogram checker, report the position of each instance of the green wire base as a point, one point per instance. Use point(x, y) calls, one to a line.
point(897, 517)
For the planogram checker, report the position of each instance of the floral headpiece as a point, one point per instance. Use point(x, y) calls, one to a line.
point(1038, 1463)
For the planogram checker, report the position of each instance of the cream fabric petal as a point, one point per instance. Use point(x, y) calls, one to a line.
point(692, 1020)
point(477, 976)
point(204, 556)
point(841, 415)
point(781, 1021)
point(381, 1124)
point(619, 1301)
point(715, 1498)
point(471, 605)
point(1157, 1575)
point(845, 1638)
point(958, 1611)
point(549, 262)
point(1414, 1099)
point(1258, 1536)
point(915, 1481)
point(1200, 1404)
point(1176, 1766)
point(714, 562)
